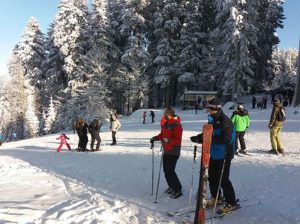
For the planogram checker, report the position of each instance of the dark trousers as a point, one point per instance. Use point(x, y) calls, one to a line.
point(240, 137)
point(113, 134)
point(98, 139)
point(214, 172)
point(83, 140)
point(169, 165)
point(152, 119)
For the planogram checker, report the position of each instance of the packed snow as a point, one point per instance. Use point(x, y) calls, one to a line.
point(39, 185)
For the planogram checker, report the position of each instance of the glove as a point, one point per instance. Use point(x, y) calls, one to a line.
point(152, 140)
point(194, 139)
point(165, 140)
point(197, 138)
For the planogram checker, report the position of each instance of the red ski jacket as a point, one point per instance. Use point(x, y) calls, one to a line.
point(172, 131)
point(63, 139)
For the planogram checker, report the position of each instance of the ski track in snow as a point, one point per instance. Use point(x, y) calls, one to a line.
point(38, 185)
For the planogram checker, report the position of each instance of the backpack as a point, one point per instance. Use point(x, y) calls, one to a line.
point(281, 116)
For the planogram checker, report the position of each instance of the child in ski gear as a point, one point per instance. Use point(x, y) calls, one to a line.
point(63, 141)
point(82, 130)
point(241, 121)
point(275, 128)
point(144, 117)
point(221, 153)
point(94, 129)
point(115, 126)
point(152, 115)
point(170, 137)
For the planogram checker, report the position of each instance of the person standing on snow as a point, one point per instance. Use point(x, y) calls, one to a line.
point(221, 153)
point(276, 126)
point(152, 115)
point(241, 121)
point(144, 117)
point(63, 141)
point(82, 130)
point(254, 102)
point(170, 137)
point(115, 126)
point(94, 129)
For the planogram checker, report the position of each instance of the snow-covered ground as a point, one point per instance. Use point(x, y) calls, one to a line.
point(38, 185)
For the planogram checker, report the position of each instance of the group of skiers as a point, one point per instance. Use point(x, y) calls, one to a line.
point(82, 129)
point(152, 115)
point(227, 133)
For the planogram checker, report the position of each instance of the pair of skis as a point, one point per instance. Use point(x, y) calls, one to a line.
point(202, 189)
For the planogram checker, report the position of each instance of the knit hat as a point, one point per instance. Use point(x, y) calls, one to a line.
point(214, 104)
point(240, 106)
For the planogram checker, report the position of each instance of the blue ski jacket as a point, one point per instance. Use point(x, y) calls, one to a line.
point(223, 139)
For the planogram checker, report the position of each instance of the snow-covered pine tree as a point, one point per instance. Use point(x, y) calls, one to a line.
point(117, 72)
point(31, 120)
point(51, 116)
point(168, 22)
point(55, 75)
point(136, 58)
point(31, 52)
point(284, 63)
point(270, 18)
point(68, 34)
point(13, 100)
point(236, 34)
point(195, 36)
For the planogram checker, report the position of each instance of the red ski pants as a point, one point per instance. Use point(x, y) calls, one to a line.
point(61, 145)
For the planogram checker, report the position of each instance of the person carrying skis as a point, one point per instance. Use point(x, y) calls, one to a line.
point(241, 121)
point(115, 126)
point(170, 137)
point(94, 129)
point(275, 126)
point(63, 141)
point(152, 115)
point(221, 153)
point(82, 130)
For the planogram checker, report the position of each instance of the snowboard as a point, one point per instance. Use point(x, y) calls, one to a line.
point(203, 180)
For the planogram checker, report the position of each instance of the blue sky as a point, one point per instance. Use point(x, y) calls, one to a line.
point(14, 15)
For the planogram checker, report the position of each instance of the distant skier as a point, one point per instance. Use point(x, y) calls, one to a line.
point(241, 121)
point(14, 136)
point(171, 137)
point(63, 141)
point(196, 108)
point(221, 151)
point(152, 115)
point(94, 129)
point(254, 101)
point(82, 130)
point(115, 126)
point(275, 126)
point(144, 117)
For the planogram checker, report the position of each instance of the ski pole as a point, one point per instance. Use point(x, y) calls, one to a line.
point(219, 186)
point(152, 147)
point(193, 169)
point(161, 159)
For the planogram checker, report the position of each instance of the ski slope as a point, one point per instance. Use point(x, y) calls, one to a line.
point(38, 185)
